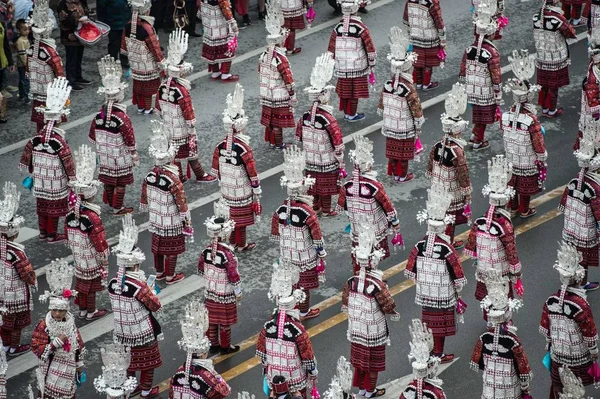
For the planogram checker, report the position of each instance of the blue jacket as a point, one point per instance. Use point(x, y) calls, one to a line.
point(115, 13)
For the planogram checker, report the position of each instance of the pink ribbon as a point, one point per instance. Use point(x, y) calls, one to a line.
point(461, 306)
point(418, 146)
point(442, 54)
point(372, 78)
point(343, 173)
point(232, 45)
point(519, 287)
point(502, 22)
point(321, 267)
point(467, 212)
point(594, 372)
point(310, 15)
point(398, 240)
point(314, 393)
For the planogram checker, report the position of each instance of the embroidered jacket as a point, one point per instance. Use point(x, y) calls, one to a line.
point(427, 389)
point(550, 33)
point(434, 265)
point(219, 266)
point(569, 328)
point(87, 241)
point(425, 24)
point(276, 78)
point(402, 111)
point(480, 70)
point(202, 384)
point(140, 44)
point(112, 133)
point(580, 204)
point(285, 349)
point(43, 65)
point(51, 164)
point(19, 277)
point(352, 48)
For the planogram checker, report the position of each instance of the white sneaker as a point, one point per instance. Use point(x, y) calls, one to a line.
point(12, 88)
point(6, 94)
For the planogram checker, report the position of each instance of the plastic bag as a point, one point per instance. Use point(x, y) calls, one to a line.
point(89, 31)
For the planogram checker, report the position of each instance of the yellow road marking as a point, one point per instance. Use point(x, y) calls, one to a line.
point(333, 321)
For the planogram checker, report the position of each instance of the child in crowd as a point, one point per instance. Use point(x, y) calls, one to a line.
point(6, 61)
point(23, 45)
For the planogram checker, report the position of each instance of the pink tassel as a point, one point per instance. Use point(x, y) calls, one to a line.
point(343, 173)
point(321, 266)
point(67, 346)
point(594, 371)
point(418, 146)
point(519, 288)
point(188, 232)
point(502, 22)
point(442, 54)
point(314, 393)
point(232, 45)
point(310, 16)
point(468, 212)
point(461, 306)
point(398, 240)
point(498, 115)
point(372, 79)
point(72, 199)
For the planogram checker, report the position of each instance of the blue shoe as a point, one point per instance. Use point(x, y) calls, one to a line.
point(591, 286)
point(127, 73)
point(355, 118)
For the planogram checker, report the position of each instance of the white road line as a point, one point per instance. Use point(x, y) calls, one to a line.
point(396, 387)
point(254, 53)
point(278, 169)
point(95, 329)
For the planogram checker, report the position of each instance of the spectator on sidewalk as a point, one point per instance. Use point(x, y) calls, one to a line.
point(115, 13)
point(6, 60)
point(23, 45)
point(70, 13)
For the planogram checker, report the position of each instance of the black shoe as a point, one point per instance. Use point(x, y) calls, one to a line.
point(262, 15)
point(214, 349)
point(363, 10)
point(4, 120)
point(246, 19)
point(76, 87)
point(83, 82)
point(231, 349)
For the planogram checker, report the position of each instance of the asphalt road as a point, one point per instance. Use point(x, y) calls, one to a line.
point(536, 242)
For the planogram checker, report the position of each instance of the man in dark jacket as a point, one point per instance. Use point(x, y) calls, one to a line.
point(115, 13)
point(69, 14)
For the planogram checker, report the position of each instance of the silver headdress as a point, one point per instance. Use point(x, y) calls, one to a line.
point(114, 381)
point(274, 23)
point(41, 24)
point(344, 374)
point(85, 185)
point(321, 74)
point(140, 6)
point(161, 147)
point(193, 328)
point(484, 21)
point(421, 344)
point(178, 45)
point(283, 279)
point(455, 105)
point(366, 252)
point(10, 222)
point(60, 279)
point(588, 155)
point(57, 102)
point(567, 264)
point(573, 387)
point(499, 174)
point(220, 225)
point(435, 214)
point(497, 304)
point(294, 164)
point(362, 154)
point(400, 58)
point(234, 116)
point(349, 7)
point(128, 254)
point(523, 67)
point(110, 72)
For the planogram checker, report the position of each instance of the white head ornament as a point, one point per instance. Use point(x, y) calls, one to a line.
point(234, 116)
point(497, 304)
point(10, 222)
point(523, 67)
point(455, 105)
point(294, 164)
point(438, 201)
point(178, 45)
point(283, 279)
point(85, 185)
point(114, 381)
point(41, 24)
point(274, 23)
point(588, 155)
point(573, 387)
point(110, 72)
point(421, 344)
point(499, 174)
point(60, 279)
point(161, 147)
point(485, 23)
point(400, 58)
point(567, 264)
point(321, 74)
point(57, 99)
